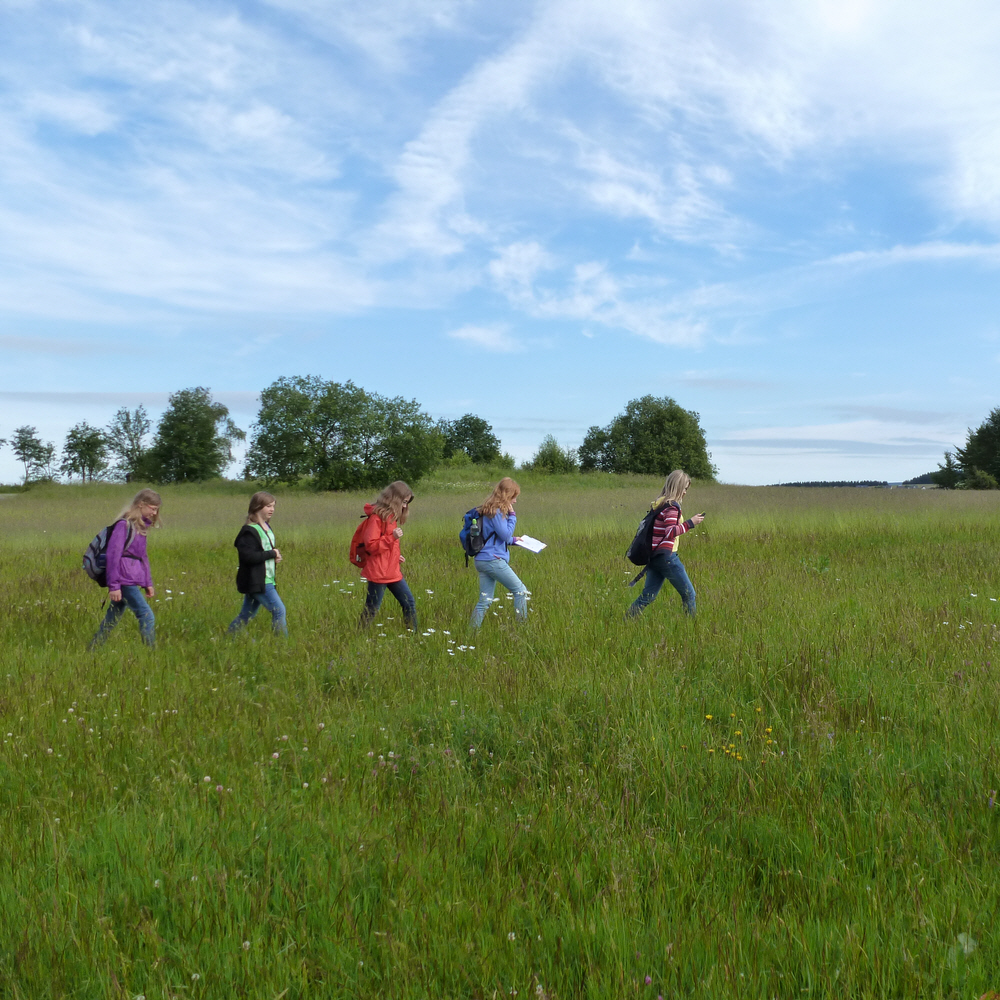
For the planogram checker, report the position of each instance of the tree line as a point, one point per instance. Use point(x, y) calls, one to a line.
point(339, 436)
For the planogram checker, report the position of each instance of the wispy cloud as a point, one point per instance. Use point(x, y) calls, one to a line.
point(495, 338)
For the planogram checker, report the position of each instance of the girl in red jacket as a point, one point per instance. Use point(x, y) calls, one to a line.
point(382, 558)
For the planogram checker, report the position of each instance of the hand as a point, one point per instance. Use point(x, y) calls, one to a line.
point(150, 591)
point(115, 595)
point(402, 559)
point(698, 518)
point(277, 556)
point(517, 538)
point(397, 533)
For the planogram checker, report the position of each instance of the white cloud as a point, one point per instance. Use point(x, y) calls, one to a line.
point(494, 338)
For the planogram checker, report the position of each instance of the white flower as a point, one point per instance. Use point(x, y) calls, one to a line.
point(274, 756)
point(511, 936)
point(207, 779)
point(246, 945)
point(305, 784)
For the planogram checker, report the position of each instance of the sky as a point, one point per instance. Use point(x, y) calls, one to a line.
point(784, 216)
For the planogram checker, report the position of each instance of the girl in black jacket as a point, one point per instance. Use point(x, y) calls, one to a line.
point(258, 558)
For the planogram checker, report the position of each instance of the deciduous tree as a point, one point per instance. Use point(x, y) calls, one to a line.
point(653, 436)
point(194, 439)
point(474, 437)
point(126, 438)
point(85, 451)
point(35, 455)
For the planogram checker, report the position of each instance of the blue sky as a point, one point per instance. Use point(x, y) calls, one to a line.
point(783, 215)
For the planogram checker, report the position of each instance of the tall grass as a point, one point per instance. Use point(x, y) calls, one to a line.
point(792, 795)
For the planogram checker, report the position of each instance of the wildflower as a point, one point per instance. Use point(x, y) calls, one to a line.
point(156, 883)
point(246, 945)
point(472, 751)
point(709, 718)
point(219, 788)
point(305, 784)
point(511, 936)
point(321, 726)
point(284, 737)
point(195, 977)
point(648, 980)
point(207, 779)
point(768, 729)
point(274, 756)
point(739, 732)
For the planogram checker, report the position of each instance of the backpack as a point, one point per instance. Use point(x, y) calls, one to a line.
point(356, 553)
point(471, 536)
point(641, 549)
point(95, 559)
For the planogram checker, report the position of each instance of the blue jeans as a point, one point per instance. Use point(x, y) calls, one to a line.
point(492, 572)
point(664, 566)
point(252, 603)
point(133, 598)
point(401, 591)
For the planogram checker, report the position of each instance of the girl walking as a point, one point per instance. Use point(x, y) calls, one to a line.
point(258, 559)
point(129, 578)
point(497, 523)
point(665, 564)
point(382, 564)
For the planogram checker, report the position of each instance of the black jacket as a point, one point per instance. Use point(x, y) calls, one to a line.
point(253, 555)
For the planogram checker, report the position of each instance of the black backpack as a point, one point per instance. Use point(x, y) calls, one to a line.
point(471, 536)
point(641, 549)
point(95, 559)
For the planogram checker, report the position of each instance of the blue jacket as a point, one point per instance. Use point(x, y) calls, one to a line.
point(498, 533)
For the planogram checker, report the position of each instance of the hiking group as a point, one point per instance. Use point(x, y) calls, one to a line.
point(117, 558)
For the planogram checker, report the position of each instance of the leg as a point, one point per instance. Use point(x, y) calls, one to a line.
point(655, 575)
point(115, 610)
point(401, 591)
point(677, 575)
point(487, 586)
point(373, 601)
point(136, 600)
point(270, 600)
point(250, 607)
point(505, 575)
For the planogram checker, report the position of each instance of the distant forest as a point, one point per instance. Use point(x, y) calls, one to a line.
point(841, 482)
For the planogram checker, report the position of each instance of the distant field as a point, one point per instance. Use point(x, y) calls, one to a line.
point(793, 795)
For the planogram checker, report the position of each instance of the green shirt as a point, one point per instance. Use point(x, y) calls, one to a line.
point(267, 540)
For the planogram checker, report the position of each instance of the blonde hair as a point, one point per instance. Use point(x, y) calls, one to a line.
point(258, 502)
point(673, 488)
point(133, 514)
point(390, 502)
point(501, 499)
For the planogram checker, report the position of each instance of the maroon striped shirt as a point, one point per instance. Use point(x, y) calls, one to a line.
point(668, 527)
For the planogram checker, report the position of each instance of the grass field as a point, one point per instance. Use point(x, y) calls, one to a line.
point(793, 795)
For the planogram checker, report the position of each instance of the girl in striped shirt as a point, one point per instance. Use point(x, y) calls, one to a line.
point(667, 529)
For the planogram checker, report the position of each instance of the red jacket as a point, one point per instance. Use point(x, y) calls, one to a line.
point(381, 549)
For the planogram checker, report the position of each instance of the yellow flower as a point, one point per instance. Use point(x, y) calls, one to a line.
point(709, 718)
point(738, 757)
point(768, 729)
point(759, 709)
point(739, 732)
point(711, 751)
point(732, 715)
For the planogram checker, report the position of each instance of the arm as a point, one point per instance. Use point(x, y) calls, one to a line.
point(116, 543)
point(503, 527)
point(250, 549)
point(376, 537)
point(669, 526)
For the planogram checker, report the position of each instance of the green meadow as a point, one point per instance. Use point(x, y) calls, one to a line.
point(793, 795)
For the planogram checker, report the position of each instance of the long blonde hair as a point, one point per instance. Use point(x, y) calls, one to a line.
point(133, 514)
point(501, 499)
point(673, 488)
point(258, 502)
point(393, 502)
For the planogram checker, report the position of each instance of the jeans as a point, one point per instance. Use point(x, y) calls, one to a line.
point(252, 603)
point(664, 566)
point(491, 572)
point(401, 591)
point(133, 598)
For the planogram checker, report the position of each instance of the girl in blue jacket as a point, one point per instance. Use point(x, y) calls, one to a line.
point(497, 522)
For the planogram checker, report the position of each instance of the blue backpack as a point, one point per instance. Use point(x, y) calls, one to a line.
point(95, 559)
point(471, 536)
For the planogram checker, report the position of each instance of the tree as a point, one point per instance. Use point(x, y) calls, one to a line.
point(33, 453)
point(85, 451)
point(982, 447)
point(472, 436)
point(341, 435)
point(194, 439)
point(550, 457)
point(979, 480)
point(126, 440)
point(949, 475)
point(653, 435)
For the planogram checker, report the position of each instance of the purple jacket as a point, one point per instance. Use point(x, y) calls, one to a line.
point(498, 533)
point(132, 569)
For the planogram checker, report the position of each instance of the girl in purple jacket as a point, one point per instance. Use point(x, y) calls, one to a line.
point(129, 580)
point(497, 525)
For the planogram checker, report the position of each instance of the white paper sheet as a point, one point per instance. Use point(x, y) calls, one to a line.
point(529, 543)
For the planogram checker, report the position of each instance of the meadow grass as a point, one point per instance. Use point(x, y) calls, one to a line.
point(792, 795)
